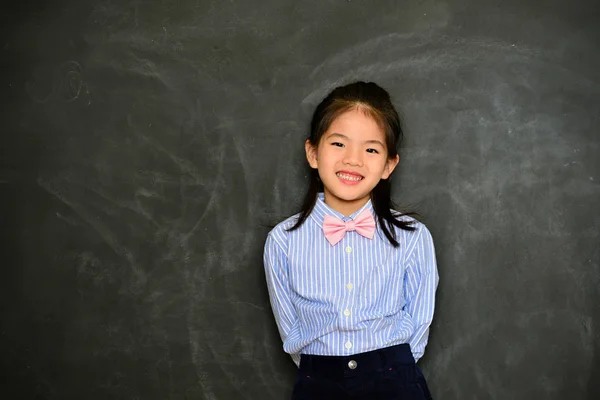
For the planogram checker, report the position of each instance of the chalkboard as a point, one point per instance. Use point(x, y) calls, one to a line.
point(149, 146)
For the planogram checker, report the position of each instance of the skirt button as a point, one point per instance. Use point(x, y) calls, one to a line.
point(352, 364)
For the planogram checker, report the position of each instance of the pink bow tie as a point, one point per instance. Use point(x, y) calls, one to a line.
point(335, 229)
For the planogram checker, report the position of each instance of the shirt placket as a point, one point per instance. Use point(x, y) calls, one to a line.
point(347, 306)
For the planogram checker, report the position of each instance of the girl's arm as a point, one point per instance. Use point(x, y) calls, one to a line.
point(276, 272)
point(420, 285)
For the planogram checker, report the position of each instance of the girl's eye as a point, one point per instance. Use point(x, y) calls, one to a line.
point(338, 144)
point(374, 151)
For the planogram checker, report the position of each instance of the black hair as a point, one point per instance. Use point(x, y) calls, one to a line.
point(376, 103)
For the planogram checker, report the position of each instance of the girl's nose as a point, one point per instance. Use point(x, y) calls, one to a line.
point(353, 157)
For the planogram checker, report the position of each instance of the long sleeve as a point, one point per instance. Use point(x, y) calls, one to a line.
point(276, 272)
point(420, 285)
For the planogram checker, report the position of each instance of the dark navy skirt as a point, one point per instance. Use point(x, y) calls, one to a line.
point(384, 374)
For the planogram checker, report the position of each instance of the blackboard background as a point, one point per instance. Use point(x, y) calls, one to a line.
point(148, 145)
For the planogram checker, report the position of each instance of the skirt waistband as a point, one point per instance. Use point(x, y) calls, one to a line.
point(347, 365)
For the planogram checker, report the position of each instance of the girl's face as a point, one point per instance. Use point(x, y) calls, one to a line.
point(351, 158)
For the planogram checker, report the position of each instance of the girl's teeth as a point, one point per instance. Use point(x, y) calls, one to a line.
point(349, 177)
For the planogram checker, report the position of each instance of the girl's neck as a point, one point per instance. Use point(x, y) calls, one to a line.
point(344, 207)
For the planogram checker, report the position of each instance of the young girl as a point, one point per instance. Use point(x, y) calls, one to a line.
point(352, 282)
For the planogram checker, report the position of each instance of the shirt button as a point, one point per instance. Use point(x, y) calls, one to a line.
point(349, 286)
point(348, 249)
point(348, 345)
point(352, 364)
point(347, 313)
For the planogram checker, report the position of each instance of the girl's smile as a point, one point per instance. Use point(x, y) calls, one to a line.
point(349, 178)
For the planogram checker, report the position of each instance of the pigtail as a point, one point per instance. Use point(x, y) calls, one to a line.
point(383, 207)
point(310, 199)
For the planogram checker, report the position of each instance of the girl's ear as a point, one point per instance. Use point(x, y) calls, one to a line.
point(311, 154)
point(389, 166)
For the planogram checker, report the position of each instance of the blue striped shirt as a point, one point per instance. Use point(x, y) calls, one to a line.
point(359, 295)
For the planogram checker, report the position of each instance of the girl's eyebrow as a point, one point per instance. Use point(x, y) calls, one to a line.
point(338, 135)
point(373, 141)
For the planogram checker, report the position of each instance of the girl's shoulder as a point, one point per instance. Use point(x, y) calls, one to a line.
point(286, 223)
point(407, 218)
point(404, 217)
point(419, 228)
point(280, 231)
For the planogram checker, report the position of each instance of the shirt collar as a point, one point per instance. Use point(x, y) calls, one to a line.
point(321, 209)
